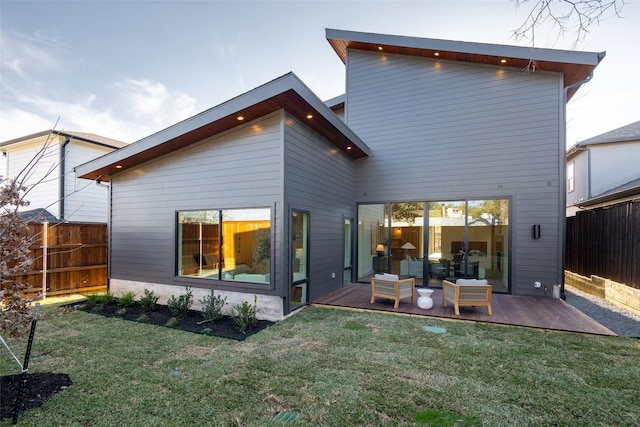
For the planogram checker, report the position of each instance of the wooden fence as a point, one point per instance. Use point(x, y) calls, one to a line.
point(605, 242)
point(68, 258)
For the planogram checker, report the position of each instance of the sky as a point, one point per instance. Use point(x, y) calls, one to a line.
point(128, 69)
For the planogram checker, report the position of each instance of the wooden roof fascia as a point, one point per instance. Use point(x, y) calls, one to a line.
point(286, 92)
point(575, 66)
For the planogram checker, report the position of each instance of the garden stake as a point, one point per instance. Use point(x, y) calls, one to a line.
point(23, 380)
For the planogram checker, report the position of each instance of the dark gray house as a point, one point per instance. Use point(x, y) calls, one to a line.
point(439, 161)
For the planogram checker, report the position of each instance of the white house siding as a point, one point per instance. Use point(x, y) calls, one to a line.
point(442, 130)
point(84, 200)
point(319, 179)
point(613, 165)
point(239, 169)
point(44, 177)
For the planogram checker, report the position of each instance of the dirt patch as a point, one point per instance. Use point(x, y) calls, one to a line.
point(37, 390)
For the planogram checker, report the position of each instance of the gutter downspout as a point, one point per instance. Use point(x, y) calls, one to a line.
point(563, 224)
point(63, 166)
point(108, 187)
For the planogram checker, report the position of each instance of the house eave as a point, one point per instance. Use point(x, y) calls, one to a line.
point(286, 92)
point(78, 136)
point(574, 65)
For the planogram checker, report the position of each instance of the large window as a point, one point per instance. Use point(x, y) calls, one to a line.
point(436, 241)
point(229, 244)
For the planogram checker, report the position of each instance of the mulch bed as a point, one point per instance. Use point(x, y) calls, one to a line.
point(37, 390)
point(225, 327)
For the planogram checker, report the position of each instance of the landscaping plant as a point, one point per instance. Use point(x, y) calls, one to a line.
point(100, 298)
point(212, 307)
point(127, 299)
point(148, 301)
point(245, 315)
point(181, 305)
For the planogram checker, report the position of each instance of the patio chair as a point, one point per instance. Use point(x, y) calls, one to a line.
point(390, 286)
point(467, 292)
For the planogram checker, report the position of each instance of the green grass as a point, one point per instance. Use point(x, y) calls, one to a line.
point(331, 368)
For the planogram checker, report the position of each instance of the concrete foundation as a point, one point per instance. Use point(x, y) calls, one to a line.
point(268, 307)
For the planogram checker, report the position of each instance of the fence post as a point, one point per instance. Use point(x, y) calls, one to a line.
point(45, 237)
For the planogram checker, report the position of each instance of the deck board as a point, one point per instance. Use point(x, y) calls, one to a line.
point(527, 311)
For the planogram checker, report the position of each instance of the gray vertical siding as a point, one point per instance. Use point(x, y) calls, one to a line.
point(319, 179)
point(240, 169)
point(443, 130)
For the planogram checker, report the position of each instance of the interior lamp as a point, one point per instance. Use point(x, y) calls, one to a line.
point(407, 246)
point(380, 249)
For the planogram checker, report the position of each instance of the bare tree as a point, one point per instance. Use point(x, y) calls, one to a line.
point(573, 16)
point(15, 260)
point(15, 246)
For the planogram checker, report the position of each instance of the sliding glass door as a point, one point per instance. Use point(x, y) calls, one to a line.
point(469, 239)
point(407, 240)
point(447, 240)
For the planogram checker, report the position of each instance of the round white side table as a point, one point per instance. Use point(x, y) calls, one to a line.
point(424, 300)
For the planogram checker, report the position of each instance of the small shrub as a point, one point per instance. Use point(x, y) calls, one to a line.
point(127, 299)
point(143, 318)
point(100, 298)
point(180, 306)
point(245, 315)
point(212, 307)
point(148, 301)
point(121, 311)
point(172, 322)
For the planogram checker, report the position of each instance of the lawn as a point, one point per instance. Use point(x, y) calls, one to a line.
point(331, 368)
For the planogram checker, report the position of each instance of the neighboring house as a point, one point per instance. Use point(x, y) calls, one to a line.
point(440, 152)
point(54, 191)
point(604, 168)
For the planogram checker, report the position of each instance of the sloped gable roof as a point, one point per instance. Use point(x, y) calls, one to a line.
point(90, 138)
point(630, 132)
point(286, 92)
point(574, 65)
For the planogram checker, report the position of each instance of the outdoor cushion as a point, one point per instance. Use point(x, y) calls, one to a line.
point(471, 282)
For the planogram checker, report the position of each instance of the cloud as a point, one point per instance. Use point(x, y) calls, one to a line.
point(153, 102)
point(140, 108)
point(28, 55)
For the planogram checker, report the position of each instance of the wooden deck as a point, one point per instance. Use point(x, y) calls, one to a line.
point(527, 311)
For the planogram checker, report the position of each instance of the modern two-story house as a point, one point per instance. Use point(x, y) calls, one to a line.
point(44, 161)
point(442, 159)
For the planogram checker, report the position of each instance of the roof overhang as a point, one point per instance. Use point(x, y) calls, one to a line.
point(575, 66)
point(628, 191)
point(286, 92)
point(89, 138)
